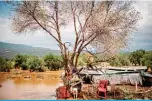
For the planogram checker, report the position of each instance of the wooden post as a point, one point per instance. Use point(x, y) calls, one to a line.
point(136, 86)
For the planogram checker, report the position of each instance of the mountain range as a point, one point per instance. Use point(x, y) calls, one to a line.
point(9, 50)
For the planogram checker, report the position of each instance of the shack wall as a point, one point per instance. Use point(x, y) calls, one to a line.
point(132, 78)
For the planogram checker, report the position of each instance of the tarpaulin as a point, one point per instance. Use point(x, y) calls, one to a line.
point(131, 78)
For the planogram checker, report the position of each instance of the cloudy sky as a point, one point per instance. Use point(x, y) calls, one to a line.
point(142, 39)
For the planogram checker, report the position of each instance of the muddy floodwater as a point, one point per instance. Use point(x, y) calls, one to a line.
point(28, 85)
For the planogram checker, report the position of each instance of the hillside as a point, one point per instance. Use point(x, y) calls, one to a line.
point(9, 50)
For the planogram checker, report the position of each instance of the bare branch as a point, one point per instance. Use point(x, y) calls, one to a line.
point(103, 25)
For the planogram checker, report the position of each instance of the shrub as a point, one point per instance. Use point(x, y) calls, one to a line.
point(53, 62)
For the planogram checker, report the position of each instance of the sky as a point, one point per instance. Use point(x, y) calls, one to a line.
point(141, 39)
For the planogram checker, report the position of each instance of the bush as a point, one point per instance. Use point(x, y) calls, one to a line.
point(20, 61)
point(120, 60)
point(147, 59)
point(34, 63)
point(136, 57)
point(5, 66)
point(53, 62)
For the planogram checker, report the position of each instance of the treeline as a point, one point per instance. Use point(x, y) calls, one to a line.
point(54, 62)
point(32, 63)
point(136, 58)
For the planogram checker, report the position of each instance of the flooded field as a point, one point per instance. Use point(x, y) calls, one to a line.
point(29, 85)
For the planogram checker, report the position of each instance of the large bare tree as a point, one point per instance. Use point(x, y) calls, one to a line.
point(101, 26)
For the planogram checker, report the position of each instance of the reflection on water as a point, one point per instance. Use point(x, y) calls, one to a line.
point(21, 88)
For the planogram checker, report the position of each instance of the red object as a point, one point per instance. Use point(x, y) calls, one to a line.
point(102, 88)
point(62, 92)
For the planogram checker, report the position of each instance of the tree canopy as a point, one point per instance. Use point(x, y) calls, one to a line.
point(34, 63)
point(136, 56)
point(5, 66)
point(20, 61)
point(147, 59)
point(53, 62)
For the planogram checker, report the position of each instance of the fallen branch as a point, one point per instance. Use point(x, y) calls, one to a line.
point(144, 91)
point(84, 97)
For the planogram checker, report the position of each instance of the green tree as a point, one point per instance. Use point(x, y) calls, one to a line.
point(147, 59)
point(10, 64)
point(136, 57)
point(120, 60)
point(20, 61)
point(53, 62)
point(34, 63)
point(5, 66)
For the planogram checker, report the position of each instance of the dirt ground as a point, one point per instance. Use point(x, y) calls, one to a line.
point(120, 92)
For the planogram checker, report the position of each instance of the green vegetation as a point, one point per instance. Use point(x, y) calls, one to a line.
point(83, 59)
point(55, 62)
point(136, 58)
point(20, 61)
point(5, 65)
point(120, 60)
point(147, 59)
point(32, 63)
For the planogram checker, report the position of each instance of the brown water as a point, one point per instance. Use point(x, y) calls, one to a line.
point(29, 88)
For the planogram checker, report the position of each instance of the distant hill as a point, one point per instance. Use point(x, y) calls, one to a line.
point(9, 50)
